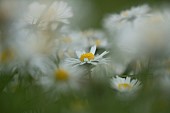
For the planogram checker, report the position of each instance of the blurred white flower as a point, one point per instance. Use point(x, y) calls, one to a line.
point(88, 58)
point(33, 50)
point(124, 30)
point(34, 14)
point(96, 37)
point(8, 60)
point(128, 42)
point(135, 12)
point(117, 68)
point(125, 84)
point(154, 32)
point(59, 11)
point(126, 17)
point(38, 66)
point(6, 55)
point(62, 78)
point(70, 41)
point(34, 44)
point(43, 17)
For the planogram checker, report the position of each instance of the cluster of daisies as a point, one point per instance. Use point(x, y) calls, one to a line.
point(57, 57)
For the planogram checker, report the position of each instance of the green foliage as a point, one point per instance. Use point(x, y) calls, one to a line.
point(96, 97)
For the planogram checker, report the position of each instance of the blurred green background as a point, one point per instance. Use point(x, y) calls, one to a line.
point(99, 98)
point(104, 7)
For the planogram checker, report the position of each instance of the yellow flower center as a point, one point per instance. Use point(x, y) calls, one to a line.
point(50, 14)
point(125, 13)
point(124, 86)
point(6, 55)
point(98, 42)
point(156, 19)
point(67, 40)
point(61, 74)
point(78, 105)
point(89, 56)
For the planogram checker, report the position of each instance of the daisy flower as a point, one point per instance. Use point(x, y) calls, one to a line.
point(124, 28)
point(69, 42)
point(88, 58)
point(61, 78)
point(135, 12)
point(126, 17)
point(62, 12)
point(97, 37)
point(154, 32)
point(125, 84)
point(41, 16)
point(6, 55)
point(34, 49)
point(9, 58)
point(35, 11)
point(58, 12)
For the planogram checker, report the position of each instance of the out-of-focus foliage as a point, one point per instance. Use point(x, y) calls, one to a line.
point(84, 56)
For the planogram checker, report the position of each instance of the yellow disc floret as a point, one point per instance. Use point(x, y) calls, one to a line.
point(6, 55)
point(125, 13)
point(61, 75)
point(124, 86)
point(98, 42)
point(67, 40)
point(89, 56)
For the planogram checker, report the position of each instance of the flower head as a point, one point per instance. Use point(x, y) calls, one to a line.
point(59, 11)
point(61, 74)
point(97, 37)
point(35, 11)
point(61, 78)
point(44, 17)
point(6, 55)
point(70, 41)
point(125, 17)
point(125, 84)
point(88, 57)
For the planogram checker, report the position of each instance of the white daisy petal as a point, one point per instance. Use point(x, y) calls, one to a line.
point(93, 49)
point(79, 53)
point(101, 55)
point(133, 82)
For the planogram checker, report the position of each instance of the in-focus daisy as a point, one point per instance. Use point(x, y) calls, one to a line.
point(125, 84)
point(88, 57)
point(62, 78)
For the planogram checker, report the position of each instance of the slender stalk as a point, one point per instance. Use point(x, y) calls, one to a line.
point(89, 72)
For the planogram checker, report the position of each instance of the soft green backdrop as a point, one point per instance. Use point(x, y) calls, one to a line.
point(104, 7)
